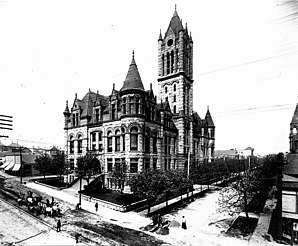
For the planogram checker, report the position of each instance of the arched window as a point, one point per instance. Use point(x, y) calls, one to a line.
point(147, 141)
point(134, 138)
point(174, 98)
point(166, 89)
point(117, 140)
point(174, 110)
point(71, 145)
point(174, 87)
point(110, 143)
point(80, 147)
point(123, 138)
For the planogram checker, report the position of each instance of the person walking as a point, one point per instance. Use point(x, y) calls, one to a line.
point(96, 206)
point(58, 225)
point(184, 223)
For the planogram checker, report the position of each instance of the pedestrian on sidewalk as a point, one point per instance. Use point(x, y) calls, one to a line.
point(96, 206)
point(77, 236)
point(184, 223)
point(58, 225)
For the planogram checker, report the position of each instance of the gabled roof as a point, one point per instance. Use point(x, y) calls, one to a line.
point(133, 79)
point(295, 116)
point(175, 24)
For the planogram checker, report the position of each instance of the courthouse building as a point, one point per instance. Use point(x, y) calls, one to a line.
point(138, 127)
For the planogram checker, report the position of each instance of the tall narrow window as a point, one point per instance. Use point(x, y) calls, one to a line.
point(174, 98)
point(177, 60)
point(134, 165)
point(168, 63)
point(117, 141)
point(124, 105)
point(96, 115)
point(163, 65)
point(110, 164)
point(71, 164)
point(80, 149)
point(110, 142)
point(174, 109)
point(174, 89)
point(154, 142)
point(154, 163)
point(134, 138)
point(73, 120)
point(137, 105)
point(172, 61)
point(113, 111)
point(100, 141)
point(71, 145)
point(93, 140)
point(146, 163)
point(147, 141)
point(77, 119)
point(123, 138)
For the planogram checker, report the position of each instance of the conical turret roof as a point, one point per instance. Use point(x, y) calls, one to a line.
point(295, 116)
point(133, 79)
point(208, 119)
point(175, 24)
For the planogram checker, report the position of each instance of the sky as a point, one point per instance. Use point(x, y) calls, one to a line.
point(245, 63)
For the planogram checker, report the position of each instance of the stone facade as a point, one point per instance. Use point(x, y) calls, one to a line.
point(134, 126)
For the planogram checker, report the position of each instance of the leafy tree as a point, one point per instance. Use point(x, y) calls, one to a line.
point(148, 184)
point(119, 174)
point(236, 197)
point(43, 164)
point(87, 166)
point(60, 164)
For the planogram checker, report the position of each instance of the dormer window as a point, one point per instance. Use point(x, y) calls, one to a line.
point(96, 115)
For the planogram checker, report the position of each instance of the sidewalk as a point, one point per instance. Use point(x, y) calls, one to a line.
point(130, 220)
point(197, 190)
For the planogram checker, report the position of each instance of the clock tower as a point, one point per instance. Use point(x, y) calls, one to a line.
point(175, 80)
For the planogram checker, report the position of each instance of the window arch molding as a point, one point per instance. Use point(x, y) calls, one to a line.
point(79, 135)
point(110, 129)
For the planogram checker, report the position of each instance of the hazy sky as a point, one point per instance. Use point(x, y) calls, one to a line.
point(245, 62)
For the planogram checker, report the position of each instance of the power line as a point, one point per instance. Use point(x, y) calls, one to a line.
point(255, 108)
point(247, 63)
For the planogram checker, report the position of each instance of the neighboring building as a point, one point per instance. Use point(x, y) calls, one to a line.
point(230, 153)
point(132, 125)
point(290, 184)
point(234, 153)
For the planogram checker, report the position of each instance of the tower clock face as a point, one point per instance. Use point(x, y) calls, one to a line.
point(170, 42)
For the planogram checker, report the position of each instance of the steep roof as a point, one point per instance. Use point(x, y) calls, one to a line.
point(133, 79)
point(175, 24)
point(87, 102)
point(208, 119)
point(295, 116)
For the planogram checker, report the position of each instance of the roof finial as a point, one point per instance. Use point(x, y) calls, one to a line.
point(76, 95)
point(207, 107)
point(175, 6)
point(113, 86)
point(133, 54)
point(66, 103)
